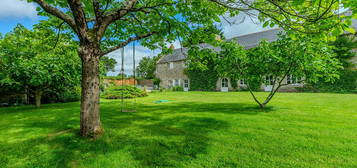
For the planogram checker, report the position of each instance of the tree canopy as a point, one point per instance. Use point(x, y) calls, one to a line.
point(305, 58)
point(38, 61)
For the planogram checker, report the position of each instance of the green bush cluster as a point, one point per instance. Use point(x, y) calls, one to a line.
point(177, 89)
point(346, 84)
point(127, 92)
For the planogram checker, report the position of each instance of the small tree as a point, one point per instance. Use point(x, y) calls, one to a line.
point(302, 58)
point(38, 61)
point(108, 64)
point(147, 67)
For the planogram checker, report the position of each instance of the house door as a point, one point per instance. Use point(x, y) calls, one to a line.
point(224, 85)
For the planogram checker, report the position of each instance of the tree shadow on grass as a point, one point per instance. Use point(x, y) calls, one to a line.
point(158, 135)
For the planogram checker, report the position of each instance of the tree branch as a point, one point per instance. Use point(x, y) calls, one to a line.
point(80, 20)
point(56, 12)
point(113, 16)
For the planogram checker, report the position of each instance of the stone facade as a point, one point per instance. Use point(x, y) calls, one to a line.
point(171, 73)
point(170, 68)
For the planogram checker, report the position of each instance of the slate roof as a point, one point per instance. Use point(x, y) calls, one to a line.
point(253, 39)
point(248, 41)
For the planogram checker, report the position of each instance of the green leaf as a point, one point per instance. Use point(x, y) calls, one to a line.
point(298, 2)
point(351, 30)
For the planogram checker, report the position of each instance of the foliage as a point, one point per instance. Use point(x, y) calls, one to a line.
point(177, 88)
point(193, 130)
point(201, 69)
point(68, 95)
point(126, 91)
point(147, 67)
point(39, 61)
point(107, 64)
point(303, 58)
point(343, 48)
point(345, 84)
point(322, 18)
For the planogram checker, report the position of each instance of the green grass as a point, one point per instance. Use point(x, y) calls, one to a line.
point(194, 129)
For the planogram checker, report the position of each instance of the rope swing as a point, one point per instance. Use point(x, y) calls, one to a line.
point(124, 104)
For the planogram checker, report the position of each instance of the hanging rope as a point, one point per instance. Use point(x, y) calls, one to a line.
point(122, 78)
point(134, 73)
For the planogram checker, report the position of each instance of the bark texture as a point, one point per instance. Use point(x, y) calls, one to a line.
point(38, 96)
point(90, 117)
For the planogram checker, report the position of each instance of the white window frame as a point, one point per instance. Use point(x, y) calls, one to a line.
point(290, 79)
point(170, 83)
point(242, 82)
point(171, 65)
point(186, 83)
point(269, 80)
point(224, 83)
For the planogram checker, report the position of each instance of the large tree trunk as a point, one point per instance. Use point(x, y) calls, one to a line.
point(38, 96)
point(90, 118)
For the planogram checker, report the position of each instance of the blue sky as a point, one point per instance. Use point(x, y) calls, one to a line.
point(13, 12)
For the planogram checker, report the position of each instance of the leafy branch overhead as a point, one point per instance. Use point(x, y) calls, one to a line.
point(304, 16)
point(114, 24)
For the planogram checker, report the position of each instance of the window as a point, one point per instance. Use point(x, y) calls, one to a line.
point(186, 84)
point(177, 82)
point(170, 83)
point(290, 79)
point(224, 82)
point(269, 80)
point(242, 82)
point(171, 65)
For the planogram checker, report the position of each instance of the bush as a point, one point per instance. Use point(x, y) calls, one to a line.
point(128, 92)
point(177, 89)
point(69, 94)
point(346, 84)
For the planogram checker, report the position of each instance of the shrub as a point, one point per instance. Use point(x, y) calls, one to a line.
point(177, 89)
point(127, 92)
point(346, 84)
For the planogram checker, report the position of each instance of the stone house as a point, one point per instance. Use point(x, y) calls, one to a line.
point(170, 68)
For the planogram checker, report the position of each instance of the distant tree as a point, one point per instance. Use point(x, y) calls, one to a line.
point(147, 67)
point(343, 47)
point(108, 64)
point(124, 75)
point(38, 61)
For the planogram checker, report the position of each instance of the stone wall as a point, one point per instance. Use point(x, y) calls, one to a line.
point(167, 74)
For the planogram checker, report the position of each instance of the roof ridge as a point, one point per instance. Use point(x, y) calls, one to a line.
point(249, 34)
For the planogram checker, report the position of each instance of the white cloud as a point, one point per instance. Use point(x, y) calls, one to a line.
point(17, 8)
point(140, 52)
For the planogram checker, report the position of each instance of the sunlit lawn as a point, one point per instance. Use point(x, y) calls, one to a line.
point(194, 129)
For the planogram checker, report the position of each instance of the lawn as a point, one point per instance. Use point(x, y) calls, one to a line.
point(194, 129)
